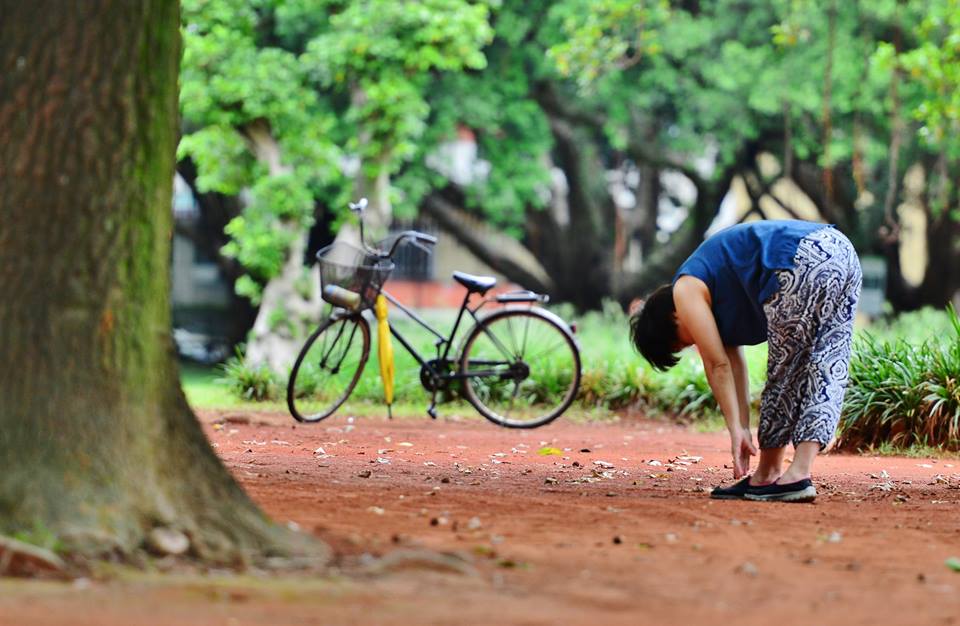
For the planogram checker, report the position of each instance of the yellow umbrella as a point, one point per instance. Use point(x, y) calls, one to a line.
point(384, 350)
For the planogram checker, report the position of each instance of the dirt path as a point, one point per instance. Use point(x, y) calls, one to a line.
point(615, 530)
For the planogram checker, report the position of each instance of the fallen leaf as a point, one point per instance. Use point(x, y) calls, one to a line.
point(548, 451)
point(953, 563)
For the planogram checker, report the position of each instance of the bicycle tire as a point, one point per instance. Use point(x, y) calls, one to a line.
point(488, 371)
point(311, 380)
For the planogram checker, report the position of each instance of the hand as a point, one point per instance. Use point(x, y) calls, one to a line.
point(742, 448)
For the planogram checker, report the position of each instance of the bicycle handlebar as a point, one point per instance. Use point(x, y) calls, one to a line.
point(418, 239)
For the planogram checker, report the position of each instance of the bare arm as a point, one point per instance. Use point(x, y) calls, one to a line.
point(725, 367)
point(741, 379)
point(692, 300)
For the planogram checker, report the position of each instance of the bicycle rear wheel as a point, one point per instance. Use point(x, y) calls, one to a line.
point(328, 367)
point(521, 367)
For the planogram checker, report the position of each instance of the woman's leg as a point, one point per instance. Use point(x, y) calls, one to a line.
point(833, 291)
point(790, 339)
point(800, 467)
point(769, 467)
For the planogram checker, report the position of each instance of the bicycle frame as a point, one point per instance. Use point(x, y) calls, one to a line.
point(444, 342)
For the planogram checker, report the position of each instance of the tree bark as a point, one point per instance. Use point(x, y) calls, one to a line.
point(660, 266)
point(941, 279)
point(500, 252)
point(99, 445)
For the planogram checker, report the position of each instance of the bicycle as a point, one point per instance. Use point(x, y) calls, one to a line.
point(503, 381)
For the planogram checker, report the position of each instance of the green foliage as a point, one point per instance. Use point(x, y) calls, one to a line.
point(934, 65)
point(250, 383)
point(607, 35)
point(316, 79)
point(259, 236)
point(815, 80)
point(382, 55)
point(41, 536)
point(904, 393)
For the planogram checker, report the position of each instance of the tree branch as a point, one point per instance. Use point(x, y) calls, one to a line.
point(500, 252)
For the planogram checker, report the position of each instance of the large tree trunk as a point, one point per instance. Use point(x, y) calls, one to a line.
point(941, 278)
point(99, 445)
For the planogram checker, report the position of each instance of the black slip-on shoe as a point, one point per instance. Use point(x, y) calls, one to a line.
point(736, 491)
point(800, 491)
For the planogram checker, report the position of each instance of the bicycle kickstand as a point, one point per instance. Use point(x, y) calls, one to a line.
point(432, 409)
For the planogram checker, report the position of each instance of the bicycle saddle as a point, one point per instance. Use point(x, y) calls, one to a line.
point(475, 284)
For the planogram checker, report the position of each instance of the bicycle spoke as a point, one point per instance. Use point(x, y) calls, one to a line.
point(554, 347)
point(511, 387)
point(328, 368)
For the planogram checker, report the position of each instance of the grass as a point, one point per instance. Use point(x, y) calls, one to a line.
point(915, 451)
point(904, 390)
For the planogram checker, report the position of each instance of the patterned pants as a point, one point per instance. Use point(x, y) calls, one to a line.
point(810, 329)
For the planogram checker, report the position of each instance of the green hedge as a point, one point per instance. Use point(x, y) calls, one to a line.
point(904, 378)
point(904, 388)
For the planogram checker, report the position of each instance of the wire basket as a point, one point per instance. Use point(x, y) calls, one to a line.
point(349, 277)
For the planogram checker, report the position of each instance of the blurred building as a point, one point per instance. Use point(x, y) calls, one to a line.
point(199, 296)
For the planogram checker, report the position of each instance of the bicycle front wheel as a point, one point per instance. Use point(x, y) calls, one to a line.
point(520, 368)
point(328, 367)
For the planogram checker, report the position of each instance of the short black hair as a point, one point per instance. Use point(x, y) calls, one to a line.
point(653, 328)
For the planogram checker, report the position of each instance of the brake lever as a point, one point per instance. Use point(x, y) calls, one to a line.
point(421, 246)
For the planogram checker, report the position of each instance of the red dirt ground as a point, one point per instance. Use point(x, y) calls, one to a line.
point(609, 532)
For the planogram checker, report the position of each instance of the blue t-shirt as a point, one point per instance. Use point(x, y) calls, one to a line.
point(738, 266)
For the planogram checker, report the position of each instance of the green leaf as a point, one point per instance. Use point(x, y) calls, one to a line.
point(548, 451)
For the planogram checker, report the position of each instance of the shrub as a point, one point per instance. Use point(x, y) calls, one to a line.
point(902, 393)
point(250, 383)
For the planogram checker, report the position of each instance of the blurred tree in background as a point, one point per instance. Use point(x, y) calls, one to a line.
point(848, 95)
point(609, 131)
point(276, 95)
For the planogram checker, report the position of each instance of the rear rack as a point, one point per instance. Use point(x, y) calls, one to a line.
point(522, 295)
